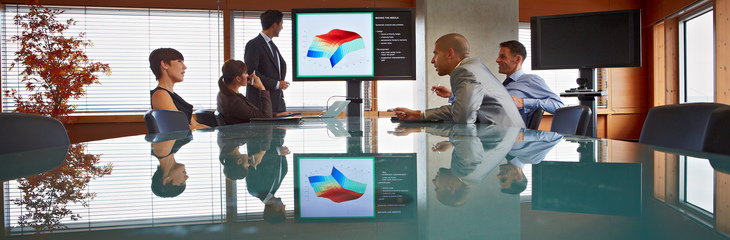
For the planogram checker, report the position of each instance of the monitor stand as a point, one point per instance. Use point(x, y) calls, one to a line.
point(586, 93)
point(354, 117)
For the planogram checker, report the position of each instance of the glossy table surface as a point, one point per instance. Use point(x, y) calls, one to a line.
point(365, 178)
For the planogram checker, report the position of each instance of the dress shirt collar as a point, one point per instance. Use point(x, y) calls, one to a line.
point(516, 75)
point(517, 162)
point(462, 61)
point(266, 38)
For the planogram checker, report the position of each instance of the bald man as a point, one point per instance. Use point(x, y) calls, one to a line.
point(478, 97)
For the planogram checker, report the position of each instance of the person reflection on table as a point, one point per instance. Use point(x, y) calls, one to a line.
point(169, 179)
point(531, 147)
point(235, 164)
point(265, 177)
point(477, 150)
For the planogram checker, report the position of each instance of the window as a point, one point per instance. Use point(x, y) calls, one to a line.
point(557, 80)
point(699, 183)
point(697, 70)
point(123, 38)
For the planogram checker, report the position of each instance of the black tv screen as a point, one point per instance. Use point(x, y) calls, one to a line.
point(354, 44)
point(587, 40)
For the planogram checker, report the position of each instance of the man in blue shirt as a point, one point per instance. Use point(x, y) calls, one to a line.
point(528, 90)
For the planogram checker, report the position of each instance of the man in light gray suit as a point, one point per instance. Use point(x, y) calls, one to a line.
point(478, 95)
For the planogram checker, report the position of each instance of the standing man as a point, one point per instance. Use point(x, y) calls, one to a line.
point(478, 95)
point(529, 91)
point(263, 57)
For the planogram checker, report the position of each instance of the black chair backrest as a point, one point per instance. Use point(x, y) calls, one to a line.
point(219, 119)
point(533, 122)
point(571, 120)
point(207, 117)
point(160, 121)
point(690, 126)
point(24, 132)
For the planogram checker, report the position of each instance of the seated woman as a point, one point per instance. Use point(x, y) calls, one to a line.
point(168, 66)
point(235, 107)
point(170, 177)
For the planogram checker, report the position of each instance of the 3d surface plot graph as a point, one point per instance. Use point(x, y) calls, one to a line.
point(335, 45)
point(337, 187)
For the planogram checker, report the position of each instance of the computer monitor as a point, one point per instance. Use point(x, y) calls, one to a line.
point(355, 187)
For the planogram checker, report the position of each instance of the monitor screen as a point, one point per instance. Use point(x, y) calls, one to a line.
point(587, 40)
point(354, 44)
point(360, 187)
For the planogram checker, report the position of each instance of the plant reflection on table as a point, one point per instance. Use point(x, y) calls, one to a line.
point(46, 196)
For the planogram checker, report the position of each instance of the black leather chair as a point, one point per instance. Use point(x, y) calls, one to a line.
point(30, 144)
point(533, 122)
point(219, 119)
point(161, 121)
point(571, 120)
point(207, 117)
point(25, 132)
point(702, 127)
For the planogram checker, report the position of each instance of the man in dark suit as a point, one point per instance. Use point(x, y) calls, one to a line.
point(263, 58)
point(265, 177)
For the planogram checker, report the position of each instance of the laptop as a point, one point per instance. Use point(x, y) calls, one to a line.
point(335, 109)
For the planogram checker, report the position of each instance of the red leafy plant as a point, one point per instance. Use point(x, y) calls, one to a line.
point(46, 196)
point(55, 70)
point(55, 67)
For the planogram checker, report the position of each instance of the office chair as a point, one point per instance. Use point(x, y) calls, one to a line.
point(219, 118)
point(207, 117)
point(701, 127)
point(533, 122)
point(24, 132)
point(571, 120)
point(160, 121)
point(30, 144)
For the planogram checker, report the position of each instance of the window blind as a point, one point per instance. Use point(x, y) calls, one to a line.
point(123, 38)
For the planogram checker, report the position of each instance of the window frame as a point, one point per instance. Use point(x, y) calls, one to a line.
point(682, 31)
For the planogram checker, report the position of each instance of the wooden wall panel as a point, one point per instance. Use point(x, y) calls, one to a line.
point(629, 87)
point(722, 51)
point(722, 211)
point(625, 126)
point(671, 41)
point(658, 65)
point(657, 10)
point(529, 8)
point(660, 176)
point(84, 132)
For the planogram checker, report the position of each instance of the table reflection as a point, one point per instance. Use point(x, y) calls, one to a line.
point(373, 179)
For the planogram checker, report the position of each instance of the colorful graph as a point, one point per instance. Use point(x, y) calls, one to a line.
point(337, 187)
point(335, 45)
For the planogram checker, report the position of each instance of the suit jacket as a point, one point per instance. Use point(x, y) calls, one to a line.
point(268, 176)
point(236, 108)
point(479, 96)
point(258, 57)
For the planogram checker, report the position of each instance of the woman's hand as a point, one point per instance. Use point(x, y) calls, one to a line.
point(255, 81)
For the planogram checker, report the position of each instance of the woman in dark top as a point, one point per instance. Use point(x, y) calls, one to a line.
point(169, 68)
point(235, 107)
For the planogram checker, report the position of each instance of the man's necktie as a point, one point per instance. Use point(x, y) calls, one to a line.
point(507, 81)
point(275, 51)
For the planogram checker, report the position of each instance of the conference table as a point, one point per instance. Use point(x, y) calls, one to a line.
point(364, 178)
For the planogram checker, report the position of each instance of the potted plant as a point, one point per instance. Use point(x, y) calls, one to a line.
point(55, 69)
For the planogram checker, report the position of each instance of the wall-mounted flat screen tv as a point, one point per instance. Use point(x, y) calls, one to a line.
point(587, 40)
point(354, 44)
